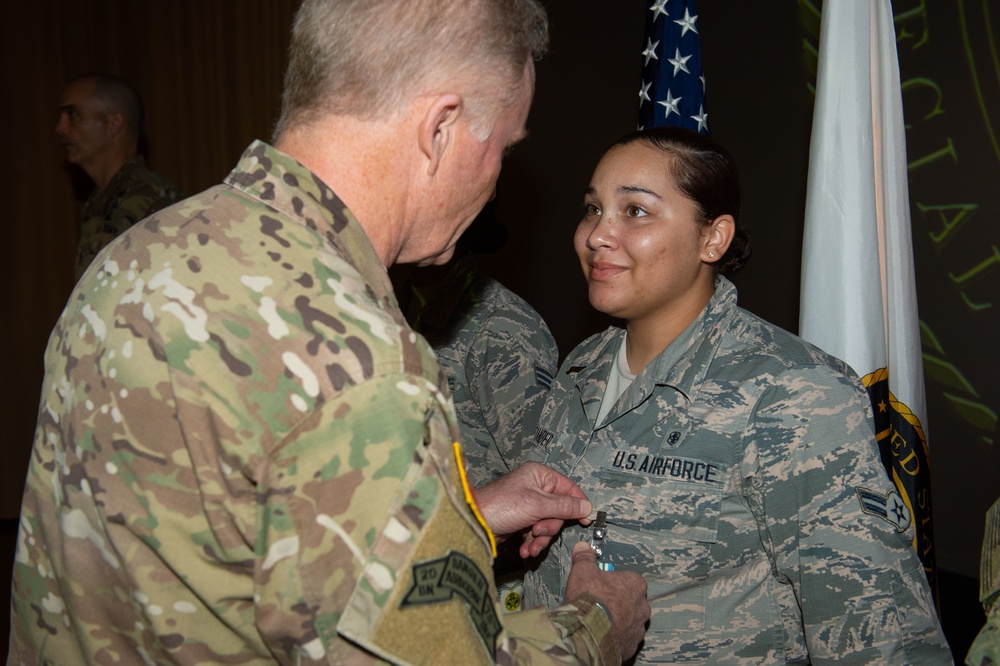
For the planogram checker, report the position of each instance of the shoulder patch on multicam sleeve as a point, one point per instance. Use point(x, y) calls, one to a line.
point(438, 580)
point(889, 507)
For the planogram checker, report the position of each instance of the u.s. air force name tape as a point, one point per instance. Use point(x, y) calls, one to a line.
point(437, 581)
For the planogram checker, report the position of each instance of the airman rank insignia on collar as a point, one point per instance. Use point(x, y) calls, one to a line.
point(889, 507)
point(437, 581)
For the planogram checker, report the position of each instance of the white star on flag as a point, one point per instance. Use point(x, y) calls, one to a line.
point(701, 118)
point(687, 23)
point(650, 51)
point(679, 62)
point(658, 8)
point(644, 93)
point(670, 104)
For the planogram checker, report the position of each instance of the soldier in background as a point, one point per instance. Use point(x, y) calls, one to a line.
point(499, 358)
point(496, 350)
point(244, 454)
point(985, 649)
point(100, 121)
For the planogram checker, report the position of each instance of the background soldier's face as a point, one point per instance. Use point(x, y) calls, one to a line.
point(82, 126)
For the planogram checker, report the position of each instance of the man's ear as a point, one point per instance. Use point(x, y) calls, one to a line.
point(717, 237)
point(436, 131)
point(116, 123)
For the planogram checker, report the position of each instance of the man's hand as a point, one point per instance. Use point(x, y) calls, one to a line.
point(534, 496)
point(623, 592)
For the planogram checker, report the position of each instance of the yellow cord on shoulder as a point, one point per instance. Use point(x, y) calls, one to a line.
point(471, 499)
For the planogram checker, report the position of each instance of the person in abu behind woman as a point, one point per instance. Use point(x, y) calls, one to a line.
point(736, 464)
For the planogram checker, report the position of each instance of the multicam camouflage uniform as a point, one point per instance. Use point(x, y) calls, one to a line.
point(985, 649)
point(244, 456)
point(499, 357)
point(133, 193)
point(741, 477)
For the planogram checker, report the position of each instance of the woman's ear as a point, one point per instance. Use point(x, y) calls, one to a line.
point(716, 237)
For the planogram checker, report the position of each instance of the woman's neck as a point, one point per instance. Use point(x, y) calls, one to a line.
point(648, 336)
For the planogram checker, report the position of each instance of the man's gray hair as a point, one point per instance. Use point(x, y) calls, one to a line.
point(368, 58)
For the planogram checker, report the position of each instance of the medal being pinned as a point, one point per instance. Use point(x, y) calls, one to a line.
point(598, 534)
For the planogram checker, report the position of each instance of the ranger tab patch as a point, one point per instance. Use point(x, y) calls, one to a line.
point(437, 581)
point(889, 508)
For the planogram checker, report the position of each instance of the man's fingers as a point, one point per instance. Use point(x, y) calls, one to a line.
point(561, 485)
point(582, 552)
point(553, 482)
point(547, 528)
point(564, 507)
point(528, 547)
point(535, 546)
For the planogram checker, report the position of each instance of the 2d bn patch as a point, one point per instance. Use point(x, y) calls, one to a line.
point(437, 581)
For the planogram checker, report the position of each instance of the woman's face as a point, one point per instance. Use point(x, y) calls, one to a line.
point(641, 247)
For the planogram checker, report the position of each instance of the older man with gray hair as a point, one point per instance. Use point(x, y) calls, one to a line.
point(243, 453)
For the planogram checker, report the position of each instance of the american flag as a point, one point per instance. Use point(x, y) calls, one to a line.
point(673, 88)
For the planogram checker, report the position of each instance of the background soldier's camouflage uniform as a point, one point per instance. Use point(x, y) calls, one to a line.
point(499, 357)
point(133, 193)
point(729, 470)
point(985, 649)
point(243, 455)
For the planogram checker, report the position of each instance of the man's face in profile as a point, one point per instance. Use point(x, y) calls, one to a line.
point(82, 125)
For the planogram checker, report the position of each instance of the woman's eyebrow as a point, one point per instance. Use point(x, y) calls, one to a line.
point(637, 189)
point(625, 189)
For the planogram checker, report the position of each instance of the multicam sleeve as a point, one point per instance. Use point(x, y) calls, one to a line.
point(583, 635)
point(811, 460)
point(510, 369)
point(369, 540)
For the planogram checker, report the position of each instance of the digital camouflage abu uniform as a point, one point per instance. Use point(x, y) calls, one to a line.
point(741, 478)
point(244, 456)
point(499, 358)
point(134, 192)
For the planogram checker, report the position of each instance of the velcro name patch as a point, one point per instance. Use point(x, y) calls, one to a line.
point(439, 580)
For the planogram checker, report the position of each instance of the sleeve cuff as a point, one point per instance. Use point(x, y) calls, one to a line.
point(595, 621)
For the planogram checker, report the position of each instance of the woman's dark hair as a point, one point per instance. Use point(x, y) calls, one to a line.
point(704, 172)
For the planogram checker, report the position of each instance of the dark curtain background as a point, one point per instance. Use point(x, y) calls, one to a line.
point(209, 74)
point(210, 71)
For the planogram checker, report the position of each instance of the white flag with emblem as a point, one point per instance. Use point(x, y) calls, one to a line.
point(858, 297)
